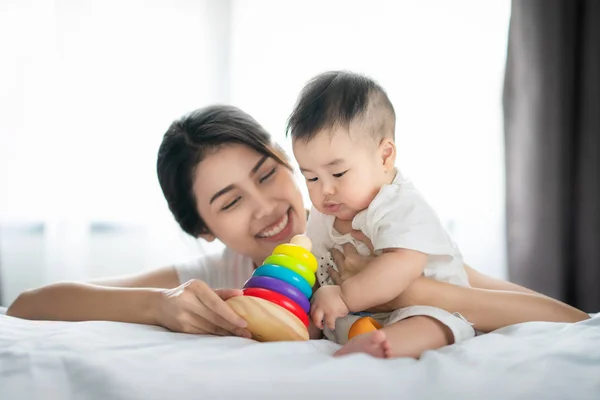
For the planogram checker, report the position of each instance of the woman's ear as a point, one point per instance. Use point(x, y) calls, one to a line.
point(209, 237)
point(387, 149)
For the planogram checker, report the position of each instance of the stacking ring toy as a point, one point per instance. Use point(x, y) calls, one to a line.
point(299, 253)
point(284, 288)
point(284, 274)
point(280, 300)
point(292, 264)
point(276, 299)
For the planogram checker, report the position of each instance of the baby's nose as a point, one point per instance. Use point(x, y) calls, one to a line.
point(328, 189)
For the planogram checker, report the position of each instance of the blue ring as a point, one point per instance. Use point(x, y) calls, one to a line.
point(286, 275)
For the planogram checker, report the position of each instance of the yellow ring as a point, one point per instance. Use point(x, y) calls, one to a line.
point(300, 253)
point(292, 264)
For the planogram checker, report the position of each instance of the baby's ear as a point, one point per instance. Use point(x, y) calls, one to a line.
point(387, 149)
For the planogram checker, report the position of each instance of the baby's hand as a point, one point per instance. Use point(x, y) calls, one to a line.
point(328, 305)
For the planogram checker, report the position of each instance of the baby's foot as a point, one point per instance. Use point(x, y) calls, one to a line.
point(374, 343)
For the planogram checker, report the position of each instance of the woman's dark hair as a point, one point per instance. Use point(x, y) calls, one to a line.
point(189, 140)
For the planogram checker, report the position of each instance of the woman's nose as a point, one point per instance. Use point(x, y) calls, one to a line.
point(264, 206)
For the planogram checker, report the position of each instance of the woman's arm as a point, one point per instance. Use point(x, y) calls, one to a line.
point(129, 299)
point(487, 309)
point(152, 298)
point(489, 304)
point(481, 281)
point(165, 278)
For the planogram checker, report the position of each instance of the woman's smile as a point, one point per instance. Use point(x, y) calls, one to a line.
point(278, 230)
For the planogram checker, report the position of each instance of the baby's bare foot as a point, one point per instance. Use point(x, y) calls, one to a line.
point(374, 343)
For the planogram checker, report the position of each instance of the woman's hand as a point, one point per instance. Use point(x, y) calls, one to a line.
point(349, 263)
point(195, 308)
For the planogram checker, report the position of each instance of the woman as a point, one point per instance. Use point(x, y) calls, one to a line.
point(223, 178)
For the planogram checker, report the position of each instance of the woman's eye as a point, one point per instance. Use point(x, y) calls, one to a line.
point(268, 175)
point(340, 174)
point(231, 204)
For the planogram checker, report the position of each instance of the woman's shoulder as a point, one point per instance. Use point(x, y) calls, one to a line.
point(234, 259)
point(223, 267)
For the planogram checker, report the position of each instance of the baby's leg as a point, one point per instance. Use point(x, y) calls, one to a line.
point(407, 338)
point(410, 332)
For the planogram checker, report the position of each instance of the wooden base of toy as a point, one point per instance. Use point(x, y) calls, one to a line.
point(268, 322)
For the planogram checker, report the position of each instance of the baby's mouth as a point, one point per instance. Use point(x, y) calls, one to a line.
point(332, 207)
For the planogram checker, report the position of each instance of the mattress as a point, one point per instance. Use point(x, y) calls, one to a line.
point(106, 360)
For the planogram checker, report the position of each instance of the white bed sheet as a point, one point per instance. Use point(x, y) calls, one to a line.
point(103, 360)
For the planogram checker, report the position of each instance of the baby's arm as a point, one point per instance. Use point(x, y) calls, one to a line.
point(383, 279)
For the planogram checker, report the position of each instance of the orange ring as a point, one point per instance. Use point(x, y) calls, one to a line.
point(363, 325)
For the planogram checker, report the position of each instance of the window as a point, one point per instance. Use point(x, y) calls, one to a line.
point(88, 88)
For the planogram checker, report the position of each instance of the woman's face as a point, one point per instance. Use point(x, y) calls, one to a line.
point(248, 201)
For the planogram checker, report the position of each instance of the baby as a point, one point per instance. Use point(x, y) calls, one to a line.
point(342, 129)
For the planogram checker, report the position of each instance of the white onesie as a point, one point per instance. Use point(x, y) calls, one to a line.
point(398, 217)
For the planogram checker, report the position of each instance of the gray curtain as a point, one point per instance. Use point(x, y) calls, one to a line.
point(552, 134)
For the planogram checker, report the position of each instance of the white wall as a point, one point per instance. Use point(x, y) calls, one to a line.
point(442, 63)
point(88, 88)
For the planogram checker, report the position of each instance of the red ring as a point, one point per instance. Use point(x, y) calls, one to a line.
point(280, 300)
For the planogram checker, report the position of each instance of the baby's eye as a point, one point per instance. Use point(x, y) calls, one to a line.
point(340, 174)
point(312, 179)
point(231, 204)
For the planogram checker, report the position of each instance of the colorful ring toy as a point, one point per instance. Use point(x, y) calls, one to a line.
point(278, 299)
point(286, 275)
point(279, 286)
point(300, 253)
point(292, 264)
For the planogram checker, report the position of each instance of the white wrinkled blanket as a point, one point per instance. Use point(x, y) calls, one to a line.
point(104, 360)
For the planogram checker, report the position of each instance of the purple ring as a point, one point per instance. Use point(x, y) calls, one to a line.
point(281, 287)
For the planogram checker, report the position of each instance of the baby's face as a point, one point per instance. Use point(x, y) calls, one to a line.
point(344, 170)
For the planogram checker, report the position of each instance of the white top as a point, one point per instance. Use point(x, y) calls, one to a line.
point(226, 269)
point(398, 217)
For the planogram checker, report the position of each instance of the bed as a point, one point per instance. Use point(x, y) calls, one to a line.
point(105, 360)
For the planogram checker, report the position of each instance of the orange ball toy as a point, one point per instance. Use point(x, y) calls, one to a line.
point(363, 325)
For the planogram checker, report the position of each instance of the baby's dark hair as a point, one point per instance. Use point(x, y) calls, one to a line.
point(338, 98)
point(189, 140)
